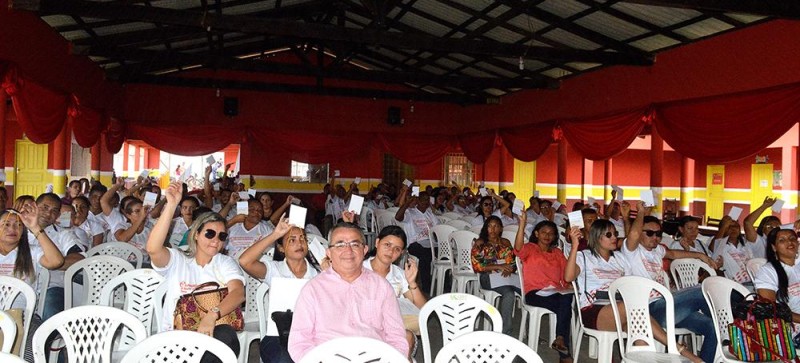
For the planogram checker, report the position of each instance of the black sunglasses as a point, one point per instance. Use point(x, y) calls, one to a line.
point(650, 233)
point(210, 234)
point(610, 234)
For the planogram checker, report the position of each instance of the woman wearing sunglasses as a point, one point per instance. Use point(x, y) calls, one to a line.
point(486, 209)
point(594, 269)
point(202, 262)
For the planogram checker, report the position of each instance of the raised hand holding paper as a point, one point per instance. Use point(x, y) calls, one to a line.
point(734, 213)
point(242, 208)
point(407, 183)
point(251, 192)
point(244, 196)
point(149, 199)
point(777, 206)
point(336, 173)
point(297, 216)
point(48, 188)
point(356, 202)
point(575, 219)
point(316, 248)
point(415, 191)
point(556, 205)
point(483, 192)
point(647, 198)
point(357, 180)
point(619, 192)
point(210, 159)
point(517, 208)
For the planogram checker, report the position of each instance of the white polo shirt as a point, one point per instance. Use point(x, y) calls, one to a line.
point(734, 259)
point(767, 278)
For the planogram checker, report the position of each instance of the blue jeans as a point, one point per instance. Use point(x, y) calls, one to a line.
point(54, 302)
point(272, 351)
point(692, 313)
point(507, 297)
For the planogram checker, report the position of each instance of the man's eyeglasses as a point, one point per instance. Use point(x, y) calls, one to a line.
point(651, 233)
point(210, 234)
point(351, 245)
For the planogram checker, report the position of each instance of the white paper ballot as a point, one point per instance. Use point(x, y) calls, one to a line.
point(407, 183)
point(483, 192)
point(149, 199)
point(536, 194)
point(590, 201)
point(517, 208)
point(356, 202)
point(556, 205)
point(244, 196)
point(285, 299)
point(432, 200)
point(336, 173)
point(619, 192)
point(777, 206)
point(317, 249)
point(787, 226)
point(210, 160)
point(251, 192)
point(497, 280)
point(48, 188)
point(2, 175)
point(415, 191)
point(734, 213)
point(144, 173)
point(65, 219)
point(357, 180)
point(297, 216)
point(216, 187)
point(575, 219)
point(295, 201)
point(647, 198)
point(186, 173)
point(242, 208)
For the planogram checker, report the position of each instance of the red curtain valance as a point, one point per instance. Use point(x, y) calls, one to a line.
point(528, 143)
point(40, 112)
point(603, 137)
point(87, 124)
point(309, 147)
point(416, 149)
point(478, 146)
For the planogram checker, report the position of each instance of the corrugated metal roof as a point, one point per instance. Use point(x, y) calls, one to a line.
point(447, 63)
point(654, 43)
point(58, 20)
point(442, 11)
point(250, 8)
point(424, 25)
point(435, 70)
point(497, 70)
point(610, 26)
point(528, 23)
point(657, 15)
point(122, 28)
point(75, 35)
point(530, 64)
point(475, 72)
point(475, 24)
point(494, 92)
point(582, 66)
point(571, 40)
point(500, 10)
point(503, 35)
point(745, 18)
point(556, 73)
point(703, 28)
point(562, 8)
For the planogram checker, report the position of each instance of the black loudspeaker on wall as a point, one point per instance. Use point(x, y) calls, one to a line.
point(230, 106)
point(394, 118)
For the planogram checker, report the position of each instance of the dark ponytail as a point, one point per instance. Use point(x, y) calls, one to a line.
point(772, 258)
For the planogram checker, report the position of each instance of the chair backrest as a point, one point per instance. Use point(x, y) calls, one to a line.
point(511, 227)
point(250, 312)
point(717, 290)
point(457, 315)
point(443, 219)
point(10, 358)
point(476, 229)
point(685, 271)
point(118, 249)
point(463, 241)
point(635, 292)
point(140, 287)
point(42, 281)
point(262, 294)
point(486, 347)
point(518, 262)
point(452, 215)
point(459, 224)
point(393, 210)
point(511, 236)
point(159, 295)
point(441, 233)
point(367, 219)
point(9, 328)
point(386, 219)
point(12, 288)
point(468, 218)
point(178, 346)
point(753, 265)
point(354, 350)
point(88, 332)
point(97, 272)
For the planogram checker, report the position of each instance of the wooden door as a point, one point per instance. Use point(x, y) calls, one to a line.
point(760, 187)
point(31, 177)
point(715, 191)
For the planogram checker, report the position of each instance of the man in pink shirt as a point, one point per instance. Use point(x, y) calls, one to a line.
point(346, 300)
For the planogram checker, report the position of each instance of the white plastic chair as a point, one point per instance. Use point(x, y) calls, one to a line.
point(10, 358)
point(139, 286)
point(159, 295)
point(97, 272)
point(463, 275)
point(458, 314)
point(178, 346)
point(444, 261)
point(685, 271)
point(251, 330)
point(118, 249)
point(486, 347)
point(635, 292)
point(452, 215)
point(443, 219)
point(513, 228)
point(12, 288)
point(42, 281)
point(88, 332)
point(9, 328)
point(386, 219)
point(262, 296)
point(532, 315)
point(717, 290)
point(511, 236)
point(467, 218)
point(459, 224)
point(753, 265)
point(475, 229)
point(604, 339)
point(354, 350)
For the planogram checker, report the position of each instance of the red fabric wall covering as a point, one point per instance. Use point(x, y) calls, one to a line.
point(602, 137)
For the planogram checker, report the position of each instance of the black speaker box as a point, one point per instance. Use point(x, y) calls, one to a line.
point(393, 116)
point(230, 106)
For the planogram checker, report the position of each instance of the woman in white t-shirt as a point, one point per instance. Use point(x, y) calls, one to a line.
point(181, 223)
point(594, 270)
point(389, 246)
point(135, 228)
point(201, 263)
point(779, 279)
point(757, 237)
point(730, 251)
point(688, 230)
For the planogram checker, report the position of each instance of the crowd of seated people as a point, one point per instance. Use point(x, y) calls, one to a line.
point(193, 238)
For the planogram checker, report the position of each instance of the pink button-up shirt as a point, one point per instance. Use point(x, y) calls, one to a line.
point(330, 307)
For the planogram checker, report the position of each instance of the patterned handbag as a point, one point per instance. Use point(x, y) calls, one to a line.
point(192, 306)
point(761, 331)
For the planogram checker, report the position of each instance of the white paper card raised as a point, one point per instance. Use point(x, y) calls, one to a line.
point(619, 192)
point(407, 183)
point(734, 213)
point(336, 173)
point(648, 198)
point(357, 180)
point(356, 202)
point(149, 199)
point(244, 196)
point(787, 226)
point(210, 160)
point(216, 187)
point(297, 216)
point(415, 191)
point(590, 201)
point(285, 297)
point(432, 200)
point(295, 201)
point(65, 219)
point(556, 205)
point(48, 188)
point(242, 208)
point(575, 219)
point(251, 192)
point(517, 208)
point(317, 249)
point(483, 192)
point(777, 206)
point(536, 194)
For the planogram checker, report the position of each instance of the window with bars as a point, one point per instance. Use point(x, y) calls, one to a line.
point(458, 169)
point(309, 173)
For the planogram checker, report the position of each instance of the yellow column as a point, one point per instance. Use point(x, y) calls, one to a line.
point(524, 180)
